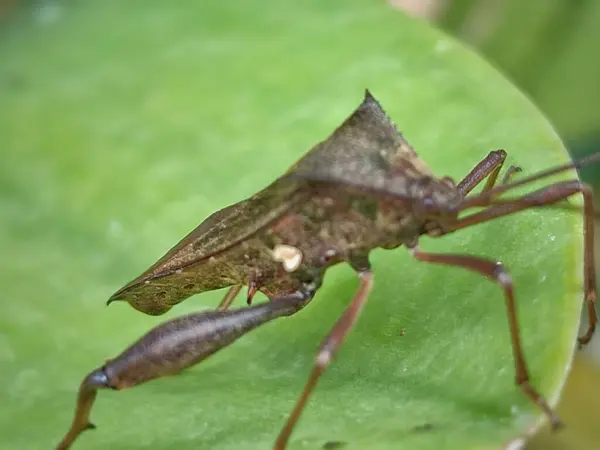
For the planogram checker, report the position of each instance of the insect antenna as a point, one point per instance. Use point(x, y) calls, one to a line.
point(565, 206)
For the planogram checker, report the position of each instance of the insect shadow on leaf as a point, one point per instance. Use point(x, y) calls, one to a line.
point(362, 188)
point(424, 428)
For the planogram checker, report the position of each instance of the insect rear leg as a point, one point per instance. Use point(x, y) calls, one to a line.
point(540, 198)
point(174, 346)
point(496, 272)
point(488, 168)
point(327, 351)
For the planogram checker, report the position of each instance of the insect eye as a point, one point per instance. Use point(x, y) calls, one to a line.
point(427, 206)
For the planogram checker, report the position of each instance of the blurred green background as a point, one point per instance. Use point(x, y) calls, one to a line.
point(549, 50)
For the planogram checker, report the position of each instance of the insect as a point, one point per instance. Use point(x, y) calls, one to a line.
point(362, 188)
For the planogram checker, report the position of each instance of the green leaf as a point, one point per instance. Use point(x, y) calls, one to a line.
point(124, 124)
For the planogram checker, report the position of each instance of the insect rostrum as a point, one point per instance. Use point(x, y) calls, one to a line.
point(362, 188)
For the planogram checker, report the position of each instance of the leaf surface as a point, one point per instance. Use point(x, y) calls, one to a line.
point(124, 125)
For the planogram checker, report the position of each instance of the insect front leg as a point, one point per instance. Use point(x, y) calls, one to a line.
point(497, 273)
point(328, 349)
point(173, 346)
point(540, 198)
point(488, 168)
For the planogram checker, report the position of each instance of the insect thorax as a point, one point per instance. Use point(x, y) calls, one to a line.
point(346, 223)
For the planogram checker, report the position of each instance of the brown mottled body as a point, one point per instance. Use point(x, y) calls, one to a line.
point(233, 246)
point(362, 188)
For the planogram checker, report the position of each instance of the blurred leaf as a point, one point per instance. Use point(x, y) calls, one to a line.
point(547, 47)
point(124, 124)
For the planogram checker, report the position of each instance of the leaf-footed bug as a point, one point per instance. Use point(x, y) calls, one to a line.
point(362, 188)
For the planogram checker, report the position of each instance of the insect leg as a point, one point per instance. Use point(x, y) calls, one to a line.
point(489, 167)
point(497, 273)
point(229, 297)
point(543, 197)
point(173, 346)
point(512, 170)
point(252, 290)
point(327, 351)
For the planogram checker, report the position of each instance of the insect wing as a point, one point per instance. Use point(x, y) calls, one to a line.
point(220, 231)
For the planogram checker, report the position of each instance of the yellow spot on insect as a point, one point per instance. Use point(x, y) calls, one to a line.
point(288, 255)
